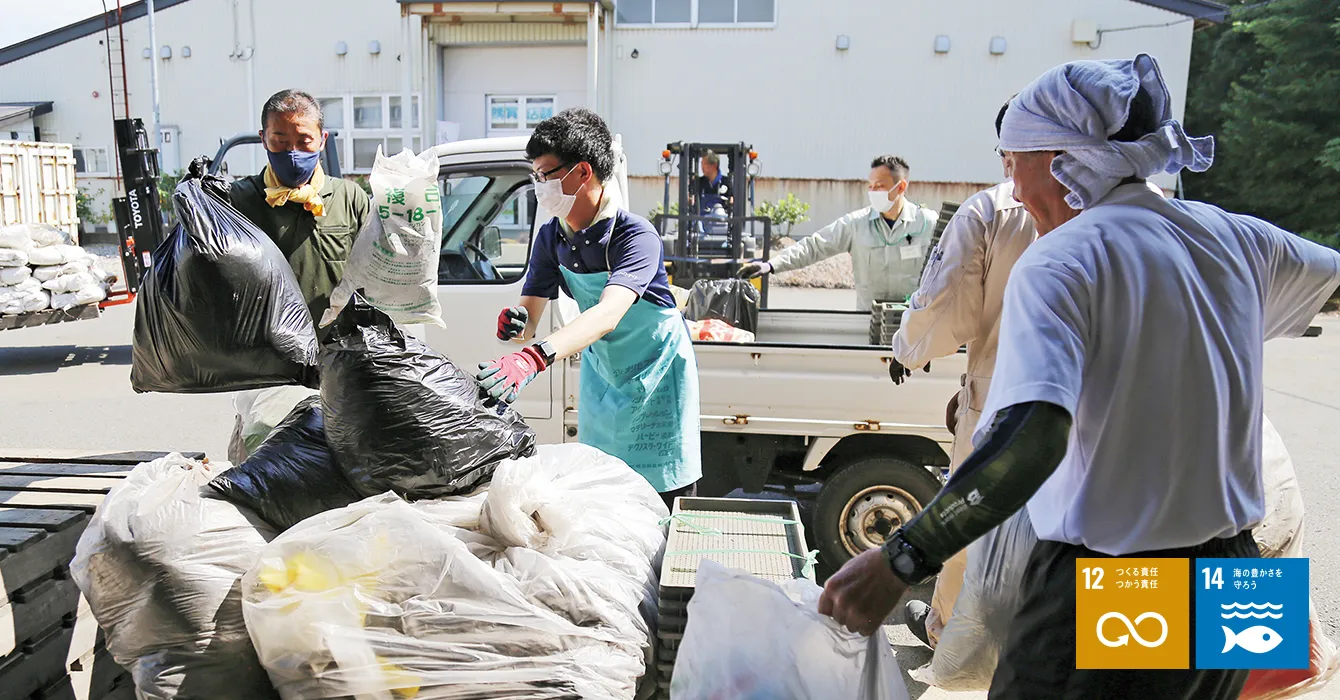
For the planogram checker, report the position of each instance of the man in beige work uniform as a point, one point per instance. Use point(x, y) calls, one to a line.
point(888, 240)
point(959, 302)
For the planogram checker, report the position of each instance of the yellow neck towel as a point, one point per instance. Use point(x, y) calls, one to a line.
point(309, 195)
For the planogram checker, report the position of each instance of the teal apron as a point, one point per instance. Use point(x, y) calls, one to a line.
point(639, 389)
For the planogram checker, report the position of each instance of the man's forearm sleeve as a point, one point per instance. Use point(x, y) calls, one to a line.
point(1022, 450)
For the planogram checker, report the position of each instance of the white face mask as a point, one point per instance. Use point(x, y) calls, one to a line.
point(879, 200)
point(549, 195)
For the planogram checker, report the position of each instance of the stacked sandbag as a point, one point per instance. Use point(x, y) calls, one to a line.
point(401, 417)
point(159, 565)
point(538, 589)
point(220, 310)
point(40, 268)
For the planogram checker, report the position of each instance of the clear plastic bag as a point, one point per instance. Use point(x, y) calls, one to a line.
point(394, 260)
point(259, 411)
point(159, 565)
point(1280, 534)
point(750, 639)
point(386, 599)
point(970, 645)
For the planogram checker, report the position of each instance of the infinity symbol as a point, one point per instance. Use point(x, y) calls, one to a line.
point(1123, 640)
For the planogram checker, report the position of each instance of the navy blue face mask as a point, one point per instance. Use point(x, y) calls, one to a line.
point(293, 168)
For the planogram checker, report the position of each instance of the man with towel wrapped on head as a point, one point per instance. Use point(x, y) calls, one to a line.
point(1125, 410)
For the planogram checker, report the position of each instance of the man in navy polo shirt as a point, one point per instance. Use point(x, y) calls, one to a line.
point(639, 376)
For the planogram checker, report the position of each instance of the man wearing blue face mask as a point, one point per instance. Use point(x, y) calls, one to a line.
point(313, 218)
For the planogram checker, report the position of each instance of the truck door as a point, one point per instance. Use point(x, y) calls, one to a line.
point(488, 221)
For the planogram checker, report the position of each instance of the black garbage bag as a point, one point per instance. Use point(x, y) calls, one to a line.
point(402, 417)
point(220, 310)
point(734, 301)
point(292, 475)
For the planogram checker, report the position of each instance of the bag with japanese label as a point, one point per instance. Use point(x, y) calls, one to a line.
point(394, 259)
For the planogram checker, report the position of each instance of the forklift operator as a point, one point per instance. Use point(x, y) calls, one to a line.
point(311, 217)
point(712, 188)
point(888, 240)
point(639, 375)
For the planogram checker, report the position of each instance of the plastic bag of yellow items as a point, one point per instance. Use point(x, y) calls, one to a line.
point(390, 600)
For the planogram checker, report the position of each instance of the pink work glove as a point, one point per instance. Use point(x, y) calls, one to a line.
point(504, 377)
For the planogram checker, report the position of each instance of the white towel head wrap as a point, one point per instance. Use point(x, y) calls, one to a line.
point(1077, 106)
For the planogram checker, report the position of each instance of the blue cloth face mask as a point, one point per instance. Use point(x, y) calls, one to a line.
point(293, 168)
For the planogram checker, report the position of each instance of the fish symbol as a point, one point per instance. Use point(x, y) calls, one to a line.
point(1257, 640)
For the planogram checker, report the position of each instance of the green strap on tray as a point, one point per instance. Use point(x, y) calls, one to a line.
point(687, 519)
point(811, 558)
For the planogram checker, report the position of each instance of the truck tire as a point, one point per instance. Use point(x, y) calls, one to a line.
point(865, 500)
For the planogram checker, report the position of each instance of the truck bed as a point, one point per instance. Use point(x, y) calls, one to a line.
point(814, 373)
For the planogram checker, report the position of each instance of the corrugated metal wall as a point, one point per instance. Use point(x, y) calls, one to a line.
point(515, 33)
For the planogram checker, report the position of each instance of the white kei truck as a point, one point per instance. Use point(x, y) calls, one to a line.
point(808, 406)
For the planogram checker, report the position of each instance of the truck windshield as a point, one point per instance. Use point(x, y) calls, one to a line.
point(474, 200)
point(487, 217)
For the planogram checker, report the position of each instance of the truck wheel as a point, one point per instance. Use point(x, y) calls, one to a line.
point(866, 500)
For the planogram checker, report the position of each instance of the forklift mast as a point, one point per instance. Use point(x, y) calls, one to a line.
point(699, 249)
point(139, 219)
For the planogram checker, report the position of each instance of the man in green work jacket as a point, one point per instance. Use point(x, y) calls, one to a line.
point(313, 218)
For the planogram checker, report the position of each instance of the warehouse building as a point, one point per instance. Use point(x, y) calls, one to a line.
point(817, 88)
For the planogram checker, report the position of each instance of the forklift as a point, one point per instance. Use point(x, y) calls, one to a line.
point(702, 243)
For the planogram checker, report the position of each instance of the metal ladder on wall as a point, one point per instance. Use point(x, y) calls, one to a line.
point(114, 39)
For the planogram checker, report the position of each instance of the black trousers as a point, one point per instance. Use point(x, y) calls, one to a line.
point(1038, 660)
point(670, 496)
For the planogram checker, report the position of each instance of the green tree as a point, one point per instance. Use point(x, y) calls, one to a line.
point(167, 184)
point(1267, 85)
point(784, 214)
point(84, 202)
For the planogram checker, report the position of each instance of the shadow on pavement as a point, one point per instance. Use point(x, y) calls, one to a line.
point(45, 359)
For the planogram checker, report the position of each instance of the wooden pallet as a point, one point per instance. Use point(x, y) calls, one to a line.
point(83, 312)
point(50, 645)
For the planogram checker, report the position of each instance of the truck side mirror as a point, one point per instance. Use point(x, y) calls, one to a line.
point(490, 241)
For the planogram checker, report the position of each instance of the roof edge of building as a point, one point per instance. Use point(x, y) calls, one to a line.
point(79, 30)
point(1207, 10)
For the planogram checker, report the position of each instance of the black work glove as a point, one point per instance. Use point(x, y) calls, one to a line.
point(899, 374)
point(512, 322)
point(751, 270)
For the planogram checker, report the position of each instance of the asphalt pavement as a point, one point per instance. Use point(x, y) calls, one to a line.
point(67, 386)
